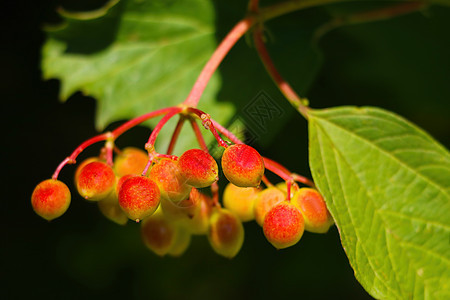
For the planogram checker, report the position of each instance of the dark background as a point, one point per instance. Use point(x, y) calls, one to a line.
point(401, 65)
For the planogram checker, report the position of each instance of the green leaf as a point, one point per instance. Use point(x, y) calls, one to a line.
point(387, 185)
point(135, 57)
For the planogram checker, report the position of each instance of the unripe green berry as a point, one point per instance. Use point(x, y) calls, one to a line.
point(111, 209)
point(159, 234)
point(226, 233)
point(181, 243)
point(240, 201)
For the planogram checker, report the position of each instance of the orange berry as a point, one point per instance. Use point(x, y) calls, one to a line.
point(311, 204)
point(95, 181)
point(242, 165)
point(130, 161)
point(198, 168)
point(283, 225)
point(167, 176)
point(265, 201)
point(50, 199)
point(139, 197)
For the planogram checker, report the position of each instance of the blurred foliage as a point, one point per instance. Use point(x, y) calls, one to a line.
point(400, 64)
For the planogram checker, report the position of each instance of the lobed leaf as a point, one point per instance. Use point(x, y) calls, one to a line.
point(135, 57)
point(387, 185)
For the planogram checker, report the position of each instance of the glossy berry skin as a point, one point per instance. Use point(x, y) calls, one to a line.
point(159, 234)
point(130, 161)
point(240, 201)
point(95, 181)
point(139, 197)
point(198, 168)
point(242, 165)
point(265, 201)
point(311, 204)
point(167, 176)
point(283, 225)
point(50, 199)
point(226, 233)
point(82, 165)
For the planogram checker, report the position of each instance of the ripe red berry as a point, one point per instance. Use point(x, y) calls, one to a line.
point(314, 210)
point(198, 168)
point(139, 197)
point(50, 199)
point(95, 181)
point(82, 165)
point(283, 225)
point(167, 176)
point(226, 233)
point(242, 165)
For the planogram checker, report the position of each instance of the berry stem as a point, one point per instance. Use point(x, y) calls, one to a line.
point(208, 124)
point(198, 135)
point(303, 180)
point(370, 16)
point(72, 158)
point(201, 142)
point(151, 140)
point(266, 181)
point(282, 84)
point(213, 63)
point(150, 145)
point(175, 135)
point(226, 132)
point(136, 121)
point(277, 169)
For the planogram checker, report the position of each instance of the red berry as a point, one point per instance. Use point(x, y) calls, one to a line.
point(283, 225)
point(198, 168)
point(139, 197)
point(95, 181)
point(50, 199)
point(242, 165)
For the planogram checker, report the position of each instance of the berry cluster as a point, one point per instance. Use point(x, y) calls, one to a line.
point(167, 193)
